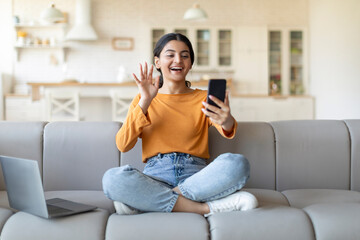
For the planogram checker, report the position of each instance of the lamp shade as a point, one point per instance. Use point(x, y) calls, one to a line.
point(195, 13)
point(51, 14)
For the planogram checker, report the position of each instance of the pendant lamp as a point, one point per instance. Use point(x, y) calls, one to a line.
point(195, 13)
point(51, 15)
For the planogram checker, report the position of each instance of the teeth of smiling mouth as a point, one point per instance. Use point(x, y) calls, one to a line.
point(176, 68)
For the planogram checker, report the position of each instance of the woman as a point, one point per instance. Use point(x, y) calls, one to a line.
point(173, 120)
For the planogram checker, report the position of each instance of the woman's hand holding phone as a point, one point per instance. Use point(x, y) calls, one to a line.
point(221, 115)
point(147, 88)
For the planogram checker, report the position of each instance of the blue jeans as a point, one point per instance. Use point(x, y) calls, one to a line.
point(151, 191)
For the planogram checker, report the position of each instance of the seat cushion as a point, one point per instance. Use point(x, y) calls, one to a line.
point(94, 198)
point(267, 197)
point(90, 225)
point(301, 198)
point(333, 221)
point(5, 214)
point(157, 226)
point(270, 222)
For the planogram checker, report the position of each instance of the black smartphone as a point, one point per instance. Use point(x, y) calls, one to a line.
point(216, 88)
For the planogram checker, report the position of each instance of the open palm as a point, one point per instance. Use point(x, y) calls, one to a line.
point(147, 88)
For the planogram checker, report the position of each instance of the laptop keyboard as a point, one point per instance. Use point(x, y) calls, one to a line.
point(56, 210)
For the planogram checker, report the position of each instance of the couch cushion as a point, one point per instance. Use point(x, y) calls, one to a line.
point(335, 221)
point(134, 156)
point(301, 198)
point(354, 129)
point(255, 140)
point(77, 154)
point(157, 226)
point(312, 154)
point(94, 198)
point(90, 225)
point(4, 202)
point(268, 197)
point(23, 140)
point(4, 216)
point(271, 222)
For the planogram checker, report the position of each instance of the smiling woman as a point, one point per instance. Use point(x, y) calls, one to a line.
point(173, 121)
point(186, 52)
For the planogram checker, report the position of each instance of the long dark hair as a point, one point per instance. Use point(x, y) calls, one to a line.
point(161, 44)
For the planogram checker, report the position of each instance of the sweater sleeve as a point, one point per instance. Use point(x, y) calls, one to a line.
point(229, 135)
point(131, 129)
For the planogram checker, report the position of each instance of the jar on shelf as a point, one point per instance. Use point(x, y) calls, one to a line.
point(21, 37)
point(37, 41)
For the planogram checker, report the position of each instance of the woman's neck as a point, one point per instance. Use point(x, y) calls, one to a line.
point(174, 88)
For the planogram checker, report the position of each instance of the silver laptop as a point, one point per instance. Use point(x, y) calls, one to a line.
point(26, 193)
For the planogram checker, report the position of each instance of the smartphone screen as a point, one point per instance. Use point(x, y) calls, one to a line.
point(217, 88)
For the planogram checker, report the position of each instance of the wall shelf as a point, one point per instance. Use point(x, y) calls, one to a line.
point(62, 49)
point(34, 33)
point(55, 25)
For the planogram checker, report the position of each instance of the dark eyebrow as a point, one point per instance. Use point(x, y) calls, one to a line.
point(183, 51)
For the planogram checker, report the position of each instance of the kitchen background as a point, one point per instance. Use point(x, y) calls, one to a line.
point(331, 35)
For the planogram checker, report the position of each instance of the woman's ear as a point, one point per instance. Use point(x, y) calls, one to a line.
point(157, 62)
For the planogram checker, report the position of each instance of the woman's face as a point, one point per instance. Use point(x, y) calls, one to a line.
point(174, 61)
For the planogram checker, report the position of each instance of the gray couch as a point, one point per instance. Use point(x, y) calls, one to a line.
point(305, 174)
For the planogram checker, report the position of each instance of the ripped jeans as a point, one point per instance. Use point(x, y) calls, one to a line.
point(151, 191)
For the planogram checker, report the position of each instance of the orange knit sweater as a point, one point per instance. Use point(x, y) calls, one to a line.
point(173, 123)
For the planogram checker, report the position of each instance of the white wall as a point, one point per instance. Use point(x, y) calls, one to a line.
point(335, 58)
point(6, 50)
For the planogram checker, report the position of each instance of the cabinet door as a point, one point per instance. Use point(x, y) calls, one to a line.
point(296, 63)
point(21, 108)
point(156, 35)
point(182, 31)
point(203, 47)
point(224, 48)
point(287, 65)
point(275, 62)
point(272, 108)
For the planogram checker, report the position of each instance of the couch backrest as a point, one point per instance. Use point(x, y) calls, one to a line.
point(254, 140)
point(77, 154)
point(283, 155)
point(354, 130)
point(134, 156)
point(312, 154)
point(23, 140)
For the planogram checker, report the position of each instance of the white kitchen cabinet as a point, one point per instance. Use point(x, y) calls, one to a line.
point(250, 59)
point(257, 108)
point(288, 61)
point(213, 47)
point(22, 108)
